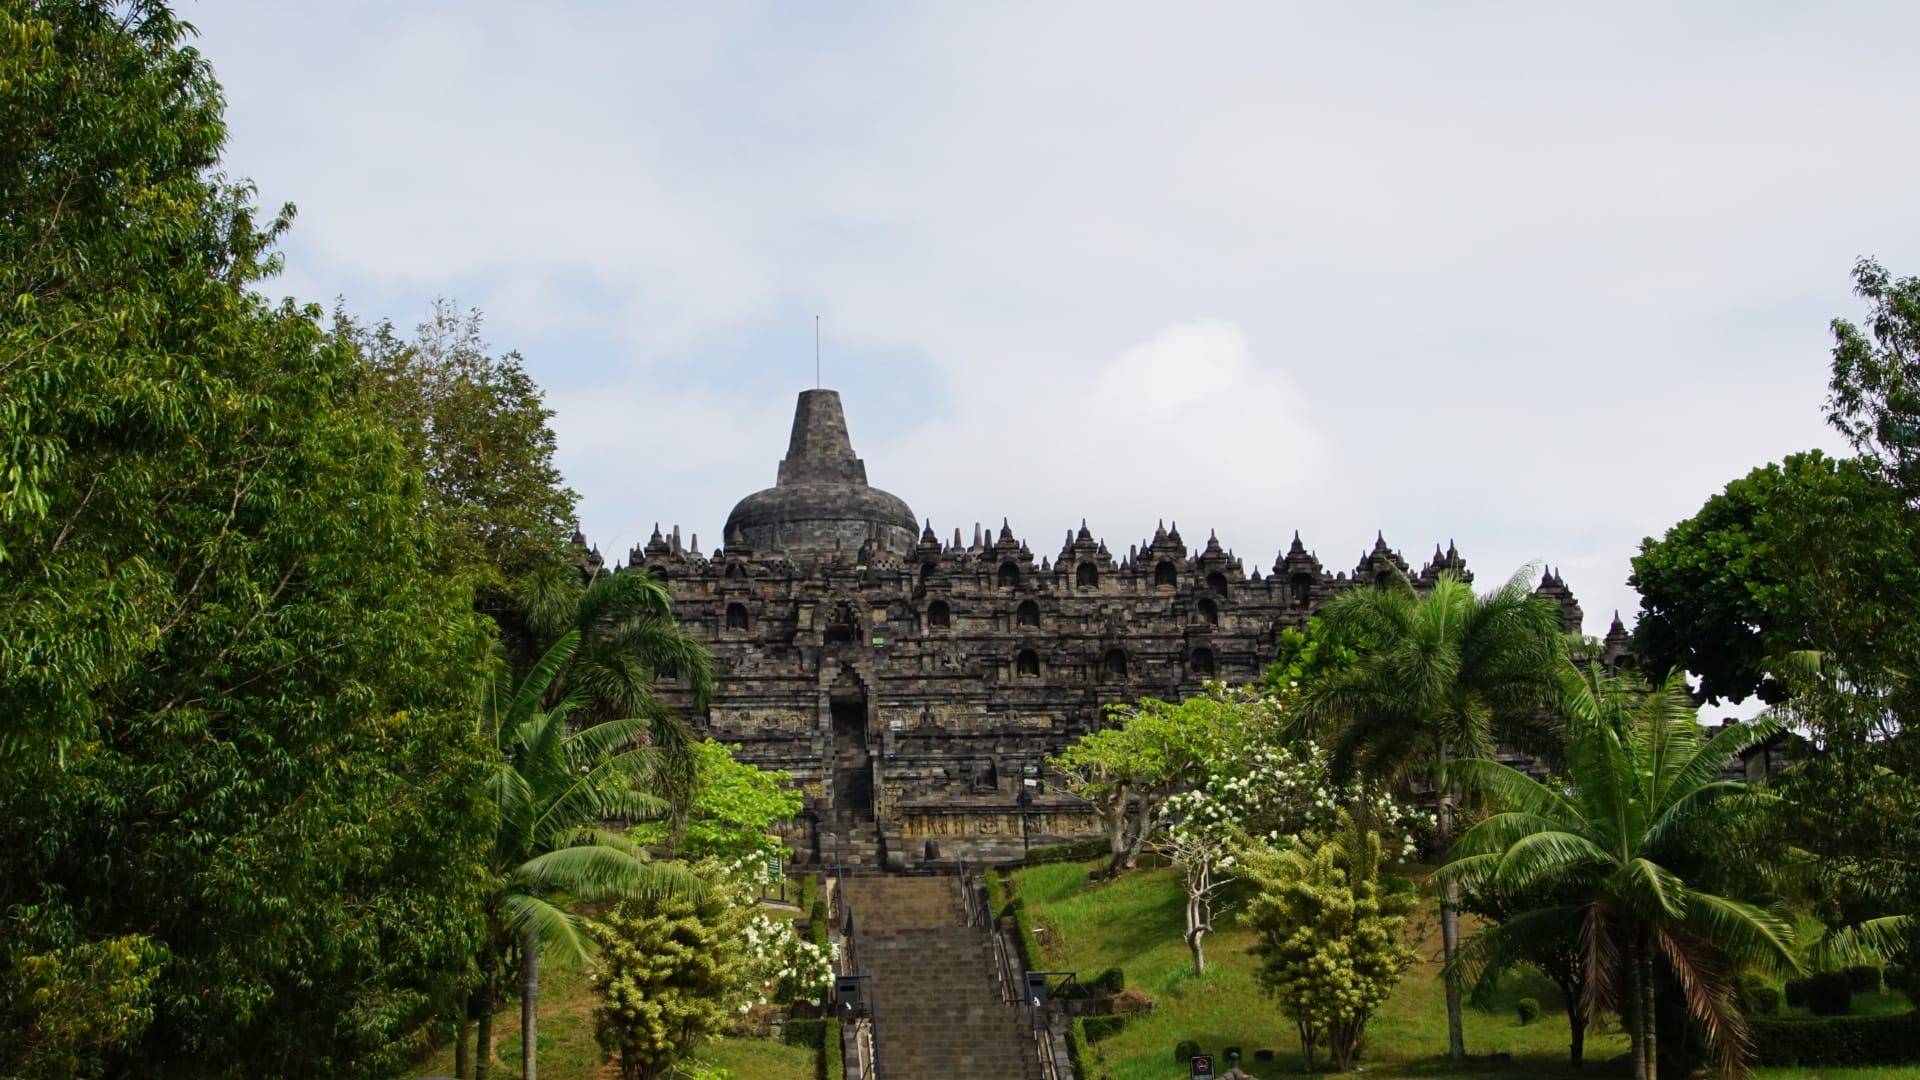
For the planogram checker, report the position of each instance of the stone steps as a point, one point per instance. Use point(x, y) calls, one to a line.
point(938, 1011)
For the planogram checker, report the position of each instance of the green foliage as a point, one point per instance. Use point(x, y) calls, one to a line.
point(1309, 656)
point(1761, 1001)
point(833, 1063)
point(1527, 1010)
point(1638, 775)
point(1863, 978)
point(1875, 390)
point(1110, 981)
point(735, 808)
point(68, 1002)
point(1095, 1028)
point(1091, 847)
point(1444, 673)
point(232, 727)
point(824, 1037)
point(669, 970)
point(477, 425)
point(1828, 993)
point(999, 894)
point(1185, 1051)
point(1152, 749)
point(1837, 1041)
point(628, 639)
point(1328, 935)
point(1809, 553)
point(552, 784)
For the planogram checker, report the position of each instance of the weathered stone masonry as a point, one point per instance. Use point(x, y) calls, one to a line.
point(913, 687)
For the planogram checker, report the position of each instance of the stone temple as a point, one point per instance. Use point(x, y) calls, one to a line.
point(914, 686)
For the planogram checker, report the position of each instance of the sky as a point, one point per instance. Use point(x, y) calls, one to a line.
point(1536, 279)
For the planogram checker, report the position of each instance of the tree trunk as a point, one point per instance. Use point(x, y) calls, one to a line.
point(1631, 1009)
point(462, 1045)
point(1577, 1032)
point(483, 1036)
point(1449, 914)
point(1648, 1019)
point(529, 1003)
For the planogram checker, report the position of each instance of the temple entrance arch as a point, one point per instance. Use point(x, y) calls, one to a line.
point(852, 760)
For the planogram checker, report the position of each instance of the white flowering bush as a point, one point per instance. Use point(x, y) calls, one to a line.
point(1261, 789)
point(671, 968)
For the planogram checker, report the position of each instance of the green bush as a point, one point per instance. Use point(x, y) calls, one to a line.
point(809, 891)
point(1262, 1056)
point(1103, 1027)
point(1903, 980)
point(1864, 979)
point(1829, 993)
point(1185, 1050)
point(1110, 981)
point(1761, 1001)
point(823, 1036)
point(1796, 993)
point(833, 1065)
point(1837, 1041)
point(805, 1032)
point(1527, 1009)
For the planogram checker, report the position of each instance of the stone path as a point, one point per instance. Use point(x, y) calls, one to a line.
point(938, 1011)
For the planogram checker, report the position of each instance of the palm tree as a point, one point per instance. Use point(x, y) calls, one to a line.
point(628, 639)
point(551, 789)
point(1639, 776)
point(1438, 675)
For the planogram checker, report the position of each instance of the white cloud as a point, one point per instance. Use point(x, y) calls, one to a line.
point(1525, 277)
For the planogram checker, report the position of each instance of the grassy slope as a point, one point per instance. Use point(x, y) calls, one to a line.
point(1135, 924)
point(568, 1052)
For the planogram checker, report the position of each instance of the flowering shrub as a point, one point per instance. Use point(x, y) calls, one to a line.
point(671, 968)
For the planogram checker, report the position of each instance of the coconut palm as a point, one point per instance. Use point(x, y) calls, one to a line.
point(1437, 676)
point(628, 639)
point(552, 789)
point(1639, 776)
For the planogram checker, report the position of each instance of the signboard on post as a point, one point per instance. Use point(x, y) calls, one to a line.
point(1201, 1065)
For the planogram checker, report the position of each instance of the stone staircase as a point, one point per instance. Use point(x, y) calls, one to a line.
point(938, 1010)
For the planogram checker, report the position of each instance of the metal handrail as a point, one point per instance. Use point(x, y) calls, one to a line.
point(849, 933)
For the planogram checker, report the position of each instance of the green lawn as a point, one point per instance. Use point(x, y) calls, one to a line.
point(1135, 924)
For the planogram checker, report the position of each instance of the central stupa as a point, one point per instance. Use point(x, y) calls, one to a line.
point(820, 503)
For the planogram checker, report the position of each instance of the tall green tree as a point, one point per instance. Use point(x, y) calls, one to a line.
point(1812, 553)
point(1875, 391)
point(552, 788)
point(628, 641)
point(1640, 776)
point(479, 427)
point(235, 753)
point(1439, 675)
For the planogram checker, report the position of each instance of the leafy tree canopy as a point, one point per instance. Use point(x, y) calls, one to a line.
point(1810, 553)
point(478, 426)
point(735, 808)
point(1875, 390)
point(234, 748)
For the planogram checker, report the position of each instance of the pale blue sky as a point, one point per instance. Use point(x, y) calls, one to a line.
point(1533, 278)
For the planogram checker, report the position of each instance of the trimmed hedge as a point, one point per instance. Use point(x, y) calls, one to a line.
point(1110, 981)
point(1829, 993)
point(808, 892)
point(1837, 1040)
point(1107, 1026)
point(824, 1037)
point(833, 1064)
point(1761, 1001)
point(1864, 979)
point(1072, 851)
